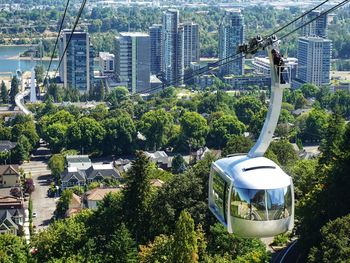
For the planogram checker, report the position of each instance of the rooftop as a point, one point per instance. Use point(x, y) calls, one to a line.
point(102, 166)
point(6, 168)
point(78, 158)
point(7, 145)
point(98, 194)
point(106, 55)
point(134, 34)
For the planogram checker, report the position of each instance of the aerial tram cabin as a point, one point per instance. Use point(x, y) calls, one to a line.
point(248, 193)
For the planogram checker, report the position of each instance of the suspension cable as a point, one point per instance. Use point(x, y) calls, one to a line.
point(71, 35)
point(57, 38)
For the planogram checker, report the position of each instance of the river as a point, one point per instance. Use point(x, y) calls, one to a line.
point(11, 65)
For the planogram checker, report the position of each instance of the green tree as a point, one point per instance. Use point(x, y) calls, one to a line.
point(237, 144)
point(39, 73)
point(62, 239)
point(178, 164)
point(117, 96)
point(137, 194)
point(56, 165)
point(4, 93)
point(335, 243)
point(194, 129)
point(185, 239)
point(309, 90)
point(63, 203)
point(221, 243)
point(182, 191)
point(121, 248)
point(223, 128)
point(14, 89)
point(56, 135)
point(156, 126)
point(312, 125)
point(332, 137)
point(120, 134)
point(13, 249)
point(246, 108)
point(284, 151)
point(86, 134)
point(329, 197)
point(299, 100)
point(22, 150)
point(160, 250)
point(304, 177)
point(257, 123)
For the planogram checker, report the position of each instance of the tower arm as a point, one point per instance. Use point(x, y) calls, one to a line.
point(273, 113)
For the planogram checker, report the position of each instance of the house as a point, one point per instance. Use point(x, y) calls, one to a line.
point(82, 162)
point(92, 197)
point(74, 206)
point(160, 158)
point(100, 172)
point(11, 215)
point(200, 153)
point(9, 175)
point(72, 176)
point(6, 146)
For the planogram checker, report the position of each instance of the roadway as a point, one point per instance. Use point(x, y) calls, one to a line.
point(289, 254)
point(42, 204)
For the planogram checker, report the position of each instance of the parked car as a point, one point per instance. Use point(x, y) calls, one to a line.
point(34, 214)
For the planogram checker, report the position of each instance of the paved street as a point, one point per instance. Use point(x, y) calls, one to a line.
point(42, 205)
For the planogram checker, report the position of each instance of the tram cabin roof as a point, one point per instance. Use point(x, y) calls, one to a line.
point(253, 173)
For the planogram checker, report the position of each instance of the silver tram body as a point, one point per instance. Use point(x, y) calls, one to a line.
point(251, 197)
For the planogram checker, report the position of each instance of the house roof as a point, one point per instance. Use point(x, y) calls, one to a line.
point(75, 202)
point(72, 172)
point(10, 201)
point(73, 211)
point(6, 216)
point(9, 213)
point(9, 169)
point(104, 170)
point(77, 158)
point(97, 194)
point(82, 162)
point(7, 145)
point(157, 154)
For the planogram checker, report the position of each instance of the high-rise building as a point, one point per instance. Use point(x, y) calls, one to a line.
point(231, 34)
point(76, 70)
point(172, 52)
point(317, 28)
point(155, 33)
point(133, 60)
point(314, 60)
point(191, 43)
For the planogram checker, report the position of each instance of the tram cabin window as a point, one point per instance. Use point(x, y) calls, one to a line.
point(220, 195)
point(261, 205)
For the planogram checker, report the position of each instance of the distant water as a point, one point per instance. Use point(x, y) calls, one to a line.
point(9, 65)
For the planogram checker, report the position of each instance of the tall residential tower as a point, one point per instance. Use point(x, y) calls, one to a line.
point(172, 52)
point(133, 61)
point(314, 60)
point(76, 70)
point(155, 33)
point(191, 43)
point(231, 34)
point(317, 28)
